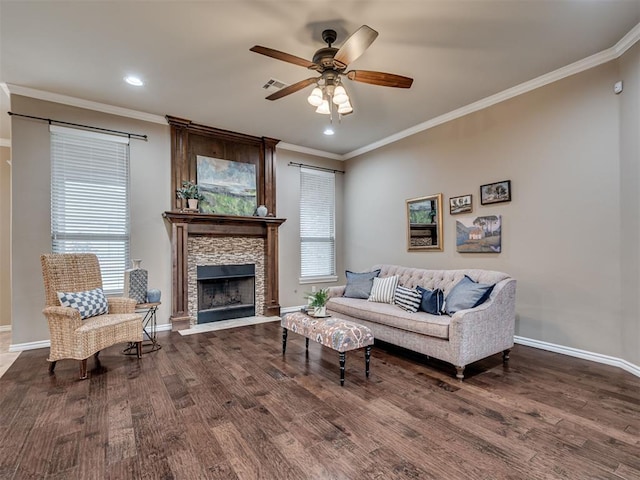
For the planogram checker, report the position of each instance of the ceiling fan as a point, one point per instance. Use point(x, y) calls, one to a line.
point(332, 64)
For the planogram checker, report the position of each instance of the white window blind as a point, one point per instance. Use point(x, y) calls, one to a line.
point(90, 199)
point(317, 225)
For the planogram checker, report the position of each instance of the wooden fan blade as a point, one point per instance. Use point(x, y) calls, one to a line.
point(292, 88)
point(285, 57)
point(380, 78)
point(355, 45)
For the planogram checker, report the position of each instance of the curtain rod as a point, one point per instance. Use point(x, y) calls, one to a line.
point(136, 136)
point(293, 164)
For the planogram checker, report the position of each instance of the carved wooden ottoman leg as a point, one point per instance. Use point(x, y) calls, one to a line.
point(505, 355)
point(367, 358)
point(306, 343)
point(460, 372)
point(284, 340)
point(342, 362)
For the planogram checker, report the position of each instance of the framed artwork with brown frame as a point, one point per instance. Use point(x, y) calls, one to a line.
point(461, 204)
point(424, 223)
point(497, 192)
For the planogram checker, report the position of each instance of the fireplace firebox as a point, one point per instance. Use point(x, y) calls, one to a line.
point(225, 292)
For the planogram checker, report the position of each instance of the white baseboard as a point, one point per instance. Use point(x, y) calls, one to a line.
point(290, 309)
point(20, 347)
point(5, 328)
point(163, 328)
point(576, 352)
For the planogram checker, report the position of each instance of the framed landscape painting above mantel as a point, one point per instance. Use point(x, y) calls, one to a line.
point(228, 188)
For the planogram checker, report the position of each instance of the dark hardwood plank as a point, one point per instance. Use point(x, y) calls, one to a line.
point(229, 405)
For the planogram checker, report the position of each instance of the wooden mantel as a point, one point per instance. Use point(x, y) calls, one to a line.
point(184, 224)
point(188, 141)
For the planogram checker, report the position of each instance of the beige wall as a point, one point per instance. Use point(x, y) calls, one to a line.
point(150, 196)
point(288, 198)
point(559, 146)
point(629, 102)
point(5, 237)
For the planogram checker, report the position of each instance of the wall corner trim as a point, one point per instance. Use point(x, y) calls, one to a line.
point(576, 352)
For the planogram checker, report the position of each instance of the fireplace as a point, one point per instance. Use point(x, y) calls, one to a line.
point(225, 292)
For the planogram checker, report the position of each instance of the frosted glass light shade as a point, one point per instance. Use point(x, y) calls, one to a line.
point(324, 108)
point(345, 108)
point(340, 95)
point(315, 98)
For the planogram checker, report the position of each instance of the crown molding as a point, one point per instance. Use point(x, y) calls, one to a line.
point(87, 104)
point(310, 151)
point(5, 142)
point(580, 66)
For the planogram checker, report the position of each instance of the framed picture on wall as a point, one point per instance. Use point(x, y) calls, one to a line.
point(497, 192)
point(460, 204)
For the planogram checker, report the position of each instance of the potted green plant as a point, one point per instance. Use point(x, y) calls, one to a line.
point(318, 301)
point(190, 192)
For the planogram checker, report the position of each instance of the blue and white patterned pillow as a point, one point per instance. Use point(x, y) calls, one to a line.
point(407, 298)
point(89, 303)
point(383, 289)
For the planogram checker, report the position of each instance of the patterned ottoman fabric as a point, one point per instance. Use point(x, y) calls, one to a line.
point(337, 334)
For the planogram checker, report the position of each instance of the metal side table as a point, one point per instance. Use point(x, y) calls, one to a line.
point(149, 343)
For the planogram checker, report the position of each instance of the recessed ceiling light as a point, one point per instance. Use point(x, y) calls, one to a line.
point(328, 131)
point(135, 81)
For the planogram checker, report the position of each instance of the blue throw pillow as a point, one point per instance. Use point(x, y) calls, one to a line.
point(89, 303)
point(467, 294)
point(432, 301)
point(359, 284)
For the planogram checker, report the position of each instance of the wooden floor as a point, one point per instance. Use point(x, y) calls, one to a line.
point(227, 405)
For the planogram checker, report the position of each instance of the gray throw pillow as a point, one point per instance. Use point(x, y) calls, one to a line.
point(467, 294)
point(359, 284)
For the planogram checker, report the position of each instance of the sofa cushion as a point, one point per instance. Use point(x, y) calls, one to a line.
point(431, 301)
point(359, 284)
point(383, 289)
point(391, 315)
point(407, 298)
point(467, 294)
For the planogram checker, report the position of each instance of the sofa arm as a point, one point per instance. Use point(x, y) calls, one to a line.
point(487, 329)
point(121, 305)
point(337, 291)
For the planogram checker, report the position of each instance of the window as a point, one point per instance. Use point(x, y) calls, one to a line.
point(317, 226)
point(90, 199)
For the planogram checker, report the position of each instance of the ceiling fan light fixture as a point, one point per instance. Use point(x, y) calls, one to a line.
point(323, 108)
point(340, 95)
point(345, 108)
point(315, 98)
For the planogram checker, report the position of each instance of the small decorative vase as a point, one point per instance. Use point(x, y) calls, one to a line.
point(153, 295)
point(135, 282)
point(193, 203)
point(320, 311)
point(261, 211)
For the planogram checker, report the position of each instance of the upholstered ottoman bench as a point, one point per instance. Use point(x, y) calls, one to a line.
point(339, 335)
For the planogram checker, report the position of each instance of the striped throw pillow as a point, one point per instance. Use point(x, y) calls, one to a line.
point(383, 289)
point(407, 298)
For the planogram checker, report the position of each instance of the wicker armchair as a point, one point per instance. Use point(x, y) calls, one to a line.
point(72, 337)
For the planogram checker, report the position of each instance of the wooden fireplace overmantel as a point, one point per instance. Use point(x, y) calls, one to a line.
point(185, 224)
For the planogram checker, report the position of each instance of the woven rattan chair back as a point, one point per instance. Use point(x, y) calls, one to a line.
point(69, 272)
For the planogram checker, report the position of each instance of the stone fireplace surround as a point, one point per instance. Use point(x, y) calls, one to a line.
point(224, 251)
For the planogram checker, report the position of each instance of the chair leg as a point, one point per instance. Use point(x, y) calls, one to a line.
point(83, 369)
point(52, 367)
point(139, 349)
point(505, 355)
point(460, 372)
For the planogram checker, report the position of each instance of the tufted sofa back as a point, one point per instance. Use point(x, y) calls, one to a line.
point(443, 279)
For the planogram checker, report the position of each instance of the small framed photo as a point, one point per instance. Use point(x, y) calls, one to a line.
point(497, 192)
point(460, 204)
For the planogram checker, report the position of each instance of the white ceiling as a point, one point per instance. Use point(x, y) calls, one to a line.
point(195, 58)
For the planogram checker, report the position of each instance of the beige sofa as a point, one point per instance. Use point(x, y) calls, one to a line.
point(460, 339)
